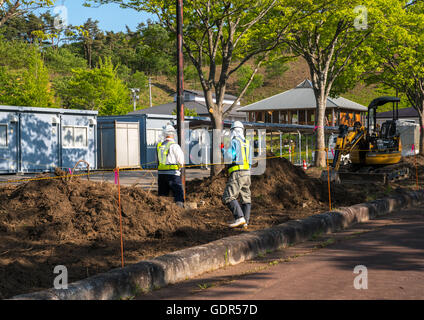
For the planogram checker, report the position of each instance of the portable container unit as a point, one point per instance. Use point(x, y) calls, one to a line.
point(409, 136)
point(41, 139)
point(150, 133)
point(118, 144)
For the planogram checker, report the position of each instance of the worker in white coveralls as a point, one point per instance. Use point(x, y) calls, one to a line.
point(238, 160)
point(170, 161)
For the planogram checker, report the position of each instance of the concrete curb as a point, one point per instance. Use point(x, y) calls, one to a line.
point(188, 263)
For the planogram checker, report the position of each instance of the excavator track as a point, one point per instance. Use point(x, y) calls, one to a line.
point(369, 174)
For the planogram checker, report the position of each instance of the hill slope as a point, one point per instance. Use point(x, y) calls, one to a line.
point(298, 70)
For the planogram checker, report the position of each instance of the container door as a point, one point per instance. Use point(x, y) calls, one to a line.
point(39, 147)
point(106, 145)
point(8, 142)
point(127, 144)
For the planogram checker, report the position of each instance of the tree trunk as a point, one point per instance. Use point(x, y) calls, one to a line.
point(320, 154)
point(421, 121)
point(218, 126)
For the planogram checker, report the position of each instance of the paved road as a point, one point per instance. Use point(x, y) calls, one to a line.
point(391, 248)
point(144, 179)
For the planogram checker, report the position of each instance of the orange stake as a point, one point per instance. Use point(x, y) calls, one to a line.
point(120, 218)
point(329, 189)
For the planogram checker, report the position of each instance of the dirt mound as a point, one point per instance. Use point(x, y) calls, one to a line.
point(75, 223)
point(282, 186)
point(285, 186)
point(77, 209)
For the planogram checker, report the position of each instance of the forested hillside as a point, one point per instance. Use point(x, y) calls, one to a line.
point(84, 67)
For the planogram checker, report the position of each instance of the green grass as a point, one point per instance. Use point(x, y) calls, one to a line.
point(371, 197)
point(327, 243)
point(316, 235)
point(204, 286)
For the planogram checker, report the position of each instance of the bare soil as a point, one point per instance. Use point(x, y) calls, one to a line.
point(76, 223)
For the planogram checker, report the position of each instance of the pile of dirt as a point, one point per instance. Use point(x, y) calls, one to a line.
point(282, 186)
point(74, 210)
point(415, 162)
point(76, 222)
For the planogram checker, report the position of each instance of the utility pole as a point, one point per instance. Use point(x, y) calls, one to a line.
point(180, 83)
point(135, 96)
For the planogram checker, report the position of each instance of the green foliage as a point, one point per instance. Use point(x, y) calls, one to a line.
point(187, 112)
point(219, 37)
point(13, 8)
point(62, 60)
point(243, 75)
point(155, 49)
point(190, 75)
point(334, 37)
point(139, 80)
point(95, 89)
point(400, 54)
point(276, 68)
point(24, 79)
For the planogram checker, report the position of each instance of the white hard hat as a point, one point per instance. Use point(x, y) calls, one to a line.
point(169, 130)
point(237, 124)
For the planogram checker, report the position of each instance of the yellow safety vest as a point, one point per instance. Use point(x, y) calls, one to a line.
point(245, 151)
point(162, 151)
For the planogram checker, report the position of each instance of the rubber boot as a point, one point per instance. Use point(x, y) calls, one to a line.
point(245, 207)
point(235, 209)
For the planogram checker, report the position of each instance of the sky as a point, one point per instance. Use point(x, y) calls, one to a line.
point(111, 17)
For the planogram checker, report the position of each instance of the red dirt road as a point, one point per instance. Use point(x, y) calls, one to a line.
point(391, 248)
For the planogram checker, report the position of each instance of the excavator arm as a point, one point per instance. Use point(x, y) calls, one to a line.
point(346, 141)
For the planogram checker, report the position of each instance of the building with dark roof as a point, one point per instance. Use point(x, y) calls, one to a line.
point(408, 114)
point(194, 100)
point(298, 106)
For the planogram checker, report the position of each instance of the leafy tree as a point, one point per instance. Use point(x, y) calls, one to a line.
point(14, 8)
point(400, 54)
point(91, 38)
point(95, 89)
point(22, 28)
point(332, 39)
point(221, 33)
point(187, 112)
point(61, 60)
point(244, 74)
point(30, 27)
point(190, 74)
point(276, 67)
point(138, 80)
point(24, 79)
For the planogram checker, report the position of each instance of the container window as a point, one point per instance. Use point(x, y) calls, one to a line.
point(3, 135)
point(74, 137)
point(80, 135)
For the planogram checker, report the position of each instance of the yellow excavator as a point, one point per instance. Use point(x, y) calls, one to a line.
point(375, 151)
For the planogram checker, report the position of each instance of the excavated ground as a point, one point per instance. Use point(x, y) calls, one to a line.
point(75, 223)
